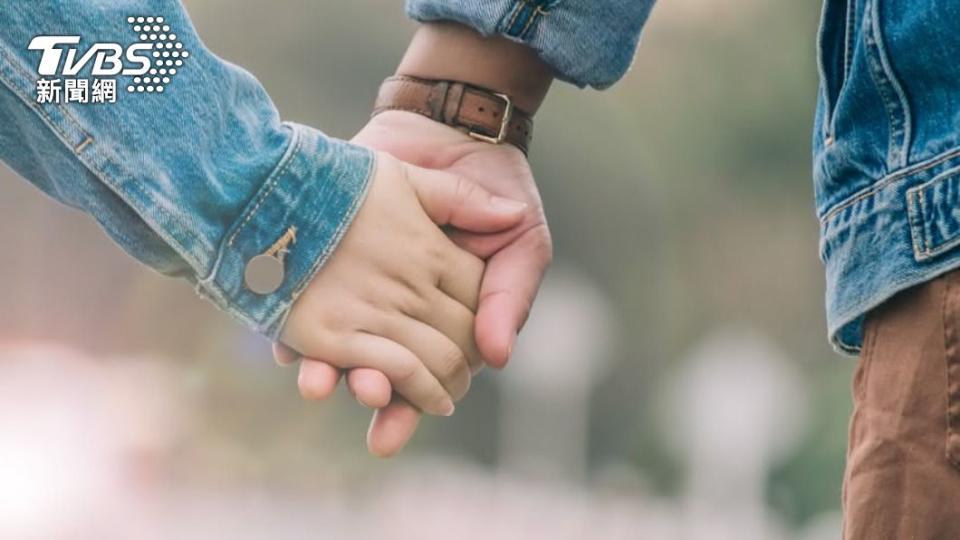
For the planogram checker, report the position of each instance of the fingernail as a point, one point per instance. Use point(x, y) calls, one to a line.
point(506, 360)
point(510, 348)
point(505, 205)
point(448, 408)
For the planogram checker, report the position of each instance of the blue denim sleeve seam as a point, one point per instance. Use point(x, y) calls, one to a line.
point(64, 136)
point(80, 150)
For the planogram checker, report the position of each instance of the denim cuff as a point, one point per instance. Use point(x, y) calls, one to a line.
point(310, 199)
point(586, 43)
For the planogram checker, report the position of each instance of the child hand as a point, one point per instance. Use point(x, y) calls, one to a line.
point(397, 295)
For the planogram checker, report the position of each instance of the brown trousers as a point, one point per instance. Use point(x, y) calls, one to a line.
point(903, 460)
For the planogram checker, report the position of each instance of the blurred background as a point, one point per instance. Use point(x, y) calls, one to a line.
point(674, 381)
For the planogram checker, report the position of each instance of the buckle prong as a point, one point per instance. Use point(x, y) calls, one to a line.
point(504, 124)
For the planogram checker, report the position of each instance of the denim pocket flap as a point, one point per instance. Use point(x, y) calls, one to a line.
point(934, 213)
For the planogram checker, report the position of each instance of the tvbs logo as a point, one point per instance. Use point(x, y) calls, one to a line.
point(151, 62)
point(108, 58)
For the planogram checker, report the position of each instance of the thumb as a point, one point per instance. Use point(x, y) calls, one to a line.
point(454, 200)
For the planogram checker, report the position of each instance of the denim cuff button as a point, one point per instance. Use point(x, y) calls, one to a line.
point(264, 274)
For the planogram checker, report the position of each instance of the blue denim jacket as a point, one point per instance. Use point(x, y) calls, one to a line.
point(588, 43)
point(187, 165)
point(886, 152)
point(886, 142)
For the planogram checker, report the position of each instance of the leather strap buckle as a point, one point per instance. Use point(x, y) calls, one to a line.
point(504, 123)
point(480, 113)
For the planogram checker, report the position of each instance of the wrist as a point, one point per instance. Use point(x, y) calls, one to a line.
point(450, 51)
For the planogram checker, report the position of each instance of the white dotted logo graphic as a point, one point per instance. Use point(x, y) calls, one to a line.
point(168, 54)
point(73, 70)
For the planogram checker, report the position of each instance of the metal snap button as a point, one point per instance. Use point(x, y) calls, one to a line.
point(264, 274)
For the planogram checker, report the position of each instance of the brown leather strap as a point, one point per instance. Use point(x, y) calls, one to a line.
point(479, 111)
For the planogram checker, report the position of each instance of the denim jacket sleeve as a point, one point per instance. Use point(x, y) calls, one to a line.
point(588, 43)
point(187, 166)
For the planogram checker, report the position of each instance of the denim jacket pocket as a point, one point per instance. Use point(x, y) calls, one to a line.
point(834, 53)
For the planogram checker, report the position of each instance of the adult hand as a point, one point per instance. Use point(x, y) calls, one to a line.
point(517, 257)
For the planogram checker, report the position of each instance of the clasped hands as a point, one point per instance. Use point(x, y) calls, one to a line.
point(433, 280)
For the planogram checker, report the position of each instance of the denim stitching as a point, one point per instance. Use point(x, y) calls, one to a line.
point(33, 105)
point(927, 230)
point(922, 214)
point(109, 158)
point(889, 88)
point(100, 174)
point(87, 139)
point(39, 110)
point(513, 15)
point(75, 124)
point(876, 71)
point(848, 37)
point(822, 71)
point(82, 146)
point(207, 285)
point(894, 82)
point(525, 14)
point(915, 222)
point(106, 179)
point(830, 105)
point(530, 20)
point(890, 178)
point(282, 246)
point(849, 32)
point(539, 11)
point(268, 189)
